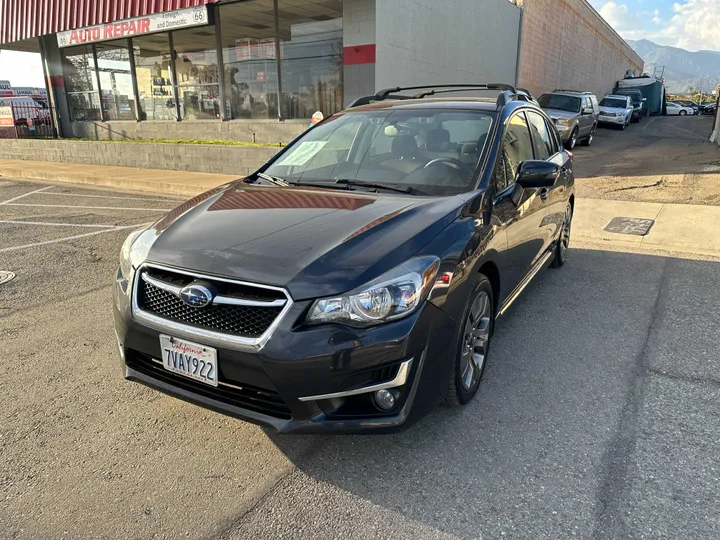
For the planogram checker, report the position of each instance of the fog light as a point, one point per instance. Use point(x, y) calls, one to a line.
point(384, 399)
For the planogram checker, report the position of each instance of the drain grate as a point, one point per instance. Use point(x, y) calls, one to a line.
point(5, 276)
point(630, 225)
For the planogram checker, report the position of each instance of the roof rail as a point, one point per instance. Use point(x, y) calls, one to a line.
point(366, 100)
point(489, 86)
point(507, 95)
point(573, 91)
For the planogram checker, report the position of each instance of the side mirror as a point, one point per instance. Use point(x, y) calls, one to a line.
point(536, 174)
point(644, 99)
point(588, 110)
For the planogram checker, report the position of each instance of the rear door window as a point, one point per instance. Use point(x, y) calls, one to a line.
point(542, 139)
point(517, 146)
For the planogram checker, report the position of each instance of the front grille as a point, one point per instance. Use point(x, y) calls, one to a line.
point(232, 393)
point(242, 321)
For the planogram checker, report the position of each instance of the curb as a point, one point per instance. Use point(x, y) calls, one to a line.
point(166, 182)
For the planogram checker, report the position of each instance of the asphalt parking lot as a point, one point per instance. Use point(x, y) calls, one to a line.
point(597, 418)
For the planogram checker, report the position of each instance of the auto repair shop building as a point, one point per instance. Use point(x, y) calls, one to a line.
point(258, 69)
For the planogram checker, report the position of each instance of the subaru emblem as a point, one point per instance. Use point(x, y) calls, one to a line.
point(196, 296)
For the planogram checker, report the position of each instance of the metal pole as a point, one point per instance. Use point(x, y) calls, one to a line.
point(277, 60)
point(173, 73)
point(220, 62)
point(49, 88)
point(97, 80)
point(133, 76)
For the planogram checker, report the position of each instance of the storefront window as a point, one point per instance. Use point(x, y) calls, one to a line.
point(154, 77)
point(248, 37)
point(311, 49)
point(116, 90)
point(197, 73)
point(81, 83)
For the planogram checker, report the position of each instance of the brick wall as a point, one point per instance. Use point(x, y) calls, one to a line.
point(180, 157)
point(262, 131)
point(566, 44)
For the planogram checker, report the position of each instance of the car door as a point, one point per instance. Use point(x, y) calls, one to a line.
point(548, 147)
point(586, 120)
point(521, 211)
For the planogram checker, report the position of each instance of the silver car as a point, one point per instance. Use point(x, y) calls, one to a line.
point(616, 110)
point(575, 115)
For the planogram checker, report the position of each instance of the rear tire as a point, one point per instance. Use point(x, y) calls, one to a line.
point(563, 241)
point(472, 344)
point(587, 141)
point(572, 141)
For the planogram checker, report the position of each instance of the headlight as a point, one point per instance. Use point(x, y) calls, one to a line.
point(393, 295)
point(563, 121)
point(135, 250)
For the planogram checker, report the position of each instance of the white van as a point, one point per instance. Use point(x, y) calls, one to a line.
point(28, 110)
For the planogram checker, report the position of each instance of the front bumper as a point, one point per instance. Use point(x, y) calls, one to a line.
point(616, 120)
point(564, 131)
point(266, 386)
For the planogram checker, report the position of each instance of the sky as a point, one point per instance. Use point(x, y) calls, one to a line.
point(21, 68)
point(689, 24)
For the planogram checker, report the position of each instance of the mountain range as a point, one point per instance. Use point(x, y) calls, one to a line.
point(683, 69)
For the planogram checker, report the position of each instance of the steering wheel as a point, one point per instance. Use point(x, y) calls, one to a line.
point(450, 162)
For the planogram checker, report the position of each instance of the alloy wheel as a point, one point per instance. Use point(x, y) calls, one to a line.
point(476, 337)
point(573, 139)
point(565, 233)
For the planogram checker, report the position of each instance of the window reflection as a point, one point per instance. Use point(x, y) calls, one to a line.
point(312, 57)
point(81, 83)
point(154, 77)
point(248, 36)
point(116, 90)
point(197, 73)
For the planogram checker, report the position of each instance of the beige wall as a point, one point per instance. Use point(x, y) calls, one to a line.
point(566, 44)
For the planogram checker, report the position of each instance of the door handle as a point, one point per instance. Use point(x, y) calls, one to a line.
point(544, 193)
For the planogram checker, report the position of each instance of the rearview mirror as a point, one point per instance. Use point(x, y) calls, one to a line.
point(587, 110)
point(536, 174)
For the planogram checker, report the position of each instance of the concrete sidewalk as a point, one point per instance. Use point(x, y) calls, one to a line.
point(150, 180)
point(679, 230)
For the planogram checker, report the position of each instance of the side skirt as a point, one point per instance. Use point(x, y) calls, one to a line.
point(525, 282)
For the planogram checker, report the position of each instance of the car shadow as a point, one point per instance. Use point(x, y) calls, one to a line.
point(532, 455)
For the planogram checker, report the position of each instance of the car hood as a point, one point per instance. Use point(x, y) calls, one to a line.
point(313, 242)
point(558, 113)
point(613, 109)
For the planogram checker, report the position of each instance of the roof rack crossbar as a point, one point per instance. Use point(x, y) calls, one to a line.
point(490, 86)
point(569, 90)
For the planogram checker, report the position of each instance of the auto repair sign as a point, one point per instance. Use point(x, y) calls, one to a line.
point(157, 22)
point(6, 116)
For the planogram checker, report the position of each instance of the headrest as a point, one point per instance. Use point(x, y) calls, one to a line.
point(438, 140)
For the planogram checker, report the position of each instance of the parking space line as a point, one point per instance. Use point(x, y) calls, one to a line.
point(87, 207)
point(50, 224)
point(75, 237)
point(62, 194)
point(25, 195)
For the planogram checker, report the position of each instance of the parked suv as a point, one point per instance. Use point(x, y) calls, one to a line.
point(354, 280)
point(576, 115)
point(637, 101)
point(616, 110)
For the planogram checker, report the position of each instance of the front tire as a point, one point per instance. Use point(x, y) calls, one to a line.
point(683, 113)
point(563, 241)
point(473, 344)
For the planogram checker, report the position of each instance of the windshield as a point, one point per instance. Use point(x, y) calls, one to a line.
point(558, 101)
point(635, 98)
point(433, 151)
point(614, 103)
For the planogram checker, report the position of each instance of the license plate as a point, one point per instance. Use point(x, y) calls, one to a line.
point(189, 359)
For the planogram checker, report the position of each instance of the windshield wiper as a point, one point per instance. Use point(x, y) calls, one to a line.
point(360, 183)
point(276, 180)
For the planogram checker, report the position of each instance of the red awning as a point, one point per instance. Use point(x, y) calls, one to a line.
point(24, 19)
